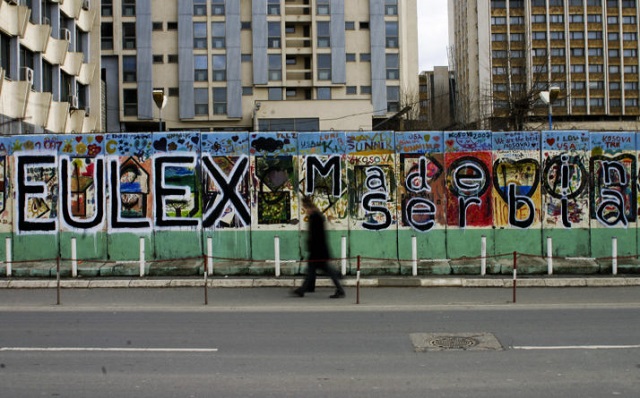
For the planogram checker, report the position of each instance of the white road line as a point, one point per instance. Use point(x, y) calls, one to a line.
point(104, 349)
point(576, 347)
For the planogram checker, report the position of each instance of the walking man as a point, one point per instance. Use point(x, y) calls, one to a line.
point(318, 252)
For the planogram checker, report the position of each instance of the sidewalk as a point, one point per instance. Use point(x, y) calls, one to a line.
point(290, 282)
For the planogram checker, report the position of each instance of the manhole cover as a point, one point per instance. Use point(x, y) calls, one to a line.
point(454, 342)
point(423, 342)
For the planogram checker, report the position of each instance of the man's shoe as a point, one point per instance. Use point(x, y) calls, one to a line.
point(297, 292)
point(337, 295)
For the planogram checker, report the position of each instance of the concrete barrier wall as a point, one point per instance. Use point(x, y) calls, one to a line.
point(377, 189)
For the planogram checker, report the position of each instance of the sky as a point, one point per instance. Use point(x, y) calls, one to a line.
point(433, 36)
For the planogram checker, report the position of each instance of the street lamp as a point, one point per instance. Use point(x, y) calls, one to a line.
point(161, 101)
point(548, 97)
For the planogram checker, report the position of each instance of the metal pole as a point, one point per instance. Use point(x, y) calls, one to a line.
point(276, 249)
point(206, 292)
point(549, 255)
point(550, 118)
point(414, 256)
point(483, 255)
point(8, 253)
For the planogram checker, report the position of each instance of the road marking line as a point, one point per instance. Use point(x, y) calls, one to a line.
point(577, 347)
point(99, 349)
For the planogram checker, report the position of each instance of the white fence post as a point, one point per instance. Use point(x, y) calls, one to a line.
point(276, 249)
point(74, 258)
point(7, 243)
point(142, 257)
point(209, 255)
point(549, 255)
point(483, 255)
point(614, 255)
point(344, 255)
point(414, 256)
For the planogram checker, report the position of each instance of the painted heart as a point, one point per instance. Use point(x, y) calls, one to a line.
point(195, 139)
point(436, 138)
point(78, 138)
point(160, 145)
point(551, 141)
point(449, 143)
point(99, 138)
point(524, 174)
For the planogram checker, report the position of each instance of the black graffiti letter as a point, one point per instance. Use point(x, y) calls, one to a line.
point(418, 176)
point(163, 191)
point(612, 198)
point(514, 203)
point(228, 186)
point(65, 185)
point(464, 203)
point(116, 202)
point(420, 207)
point(331, 166)
point(367, 205)
point(25, 190)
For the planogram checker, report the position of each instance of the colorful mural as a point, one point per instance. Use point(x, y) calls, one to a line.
point(577, 186)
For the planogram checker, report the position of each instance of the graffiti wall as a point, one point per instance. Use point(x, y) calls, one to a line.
point(448, 190)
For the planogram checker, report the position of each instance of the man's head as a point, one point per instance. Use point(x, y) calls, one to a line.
point(307, 203)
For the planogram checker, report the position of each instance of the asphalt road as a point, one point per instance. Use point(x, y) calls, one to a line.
point(261, 343)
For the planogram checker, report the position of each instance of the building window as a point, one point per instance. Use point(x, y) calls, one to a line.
point(245, 25)
point(612, 20)
point(595, 52)
point(517, 36)
point(247, 90)
point(596, 102)
point(219, 101)
point(631, 86)
point(130, 102)
point(557, 52)
point(217, 7)
point(172, 58)
point(219, 66)
point(557, 68)
point(556, 35)
point(364, 25)
point(596, 85)
point(352, 90)
point(578, 85)
point(614, 103)
point(577, 52)
point(275, 94)
point(576, 18)
point(614, 36)
point(351, 57)
point(201, 99)
point(106, 36)
point(47, 77)
point(365, 57)
point(631, 52)
point(201, 68)
point(538, 18)
point(577, 68)
point(273, 41)
point(106, 8)
point(273, 7)
point(631, 69)
point(498, 20)
point(576, 35)
point(594, 18)
point(158, 59)
point(324, 66)
point(579, 102)
point(174, 91)
point(556, 18)
point(199, 7)
point(594, 35)
point(218, 35)
point(128, 8)
point(630, 36)
point(129, 35)
point(275, 67)
point(349, 25)
point(577, 3)
point(158, 26)
point(324, 34)
point(199, 35)
point(391, 7)
point(324, 93)
point(539, 35)
point(614, 69)
point(129, 68)
point(614, 86)
point(393, 67)
point(323, 7)
point(393, 99)
point(391, 34)
point(631, 102)
point(516, 20)
point(172, 26)
point(246, 58)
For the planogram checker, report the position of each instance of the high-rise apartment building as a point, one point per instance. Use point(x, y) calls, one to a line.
point(506, 52)
point(257, 64)
point(49, 66)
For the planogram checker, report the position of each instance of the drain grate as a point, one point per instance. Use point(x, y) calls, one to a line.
point(423, 342)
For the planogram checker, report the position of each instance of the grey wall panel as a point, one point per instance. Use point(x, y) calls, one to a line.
point(338, 51)
point(378, 59)
point(144, 67)
point(185, 59)
point(112, 93)
point(260, 34)
point(234, 69)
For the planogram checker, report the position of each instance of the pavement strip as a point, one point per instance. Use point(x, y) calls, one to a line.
point(104, 349)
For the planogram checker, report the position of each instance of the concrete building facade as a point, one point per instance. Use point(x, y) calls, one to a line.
point(504, 49)
point(257, 65)
point(49, 66)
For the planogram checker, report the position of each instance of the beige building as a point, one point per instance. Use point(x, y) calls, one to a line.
point(505, 52)
point(436, 98)
point(49, 66)
point(257, 64)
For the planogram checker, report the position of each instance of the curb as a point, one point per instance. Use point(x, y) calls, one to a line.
point(408, 282)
